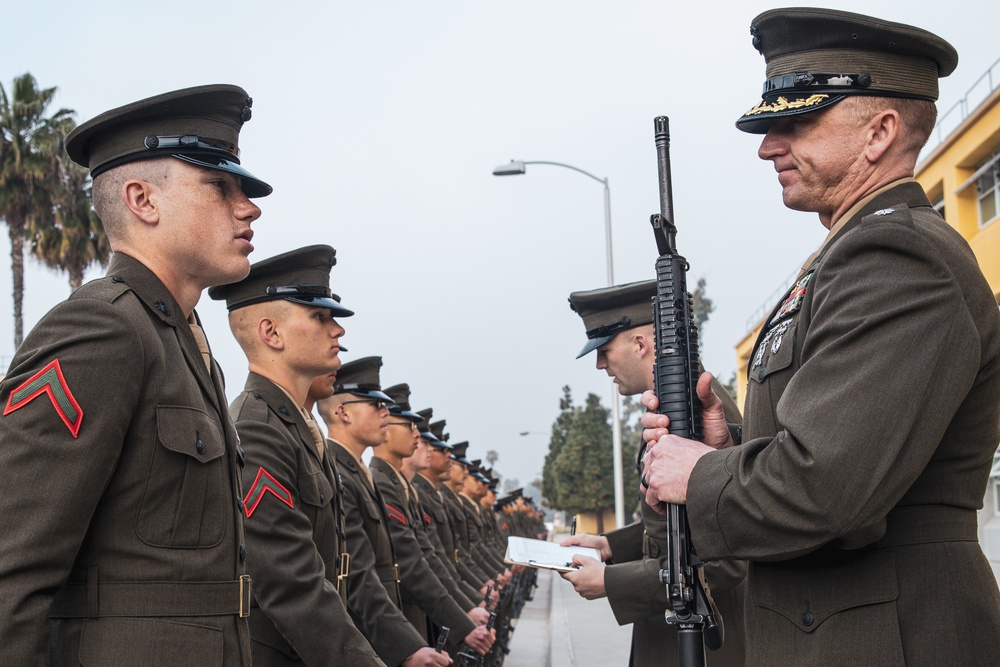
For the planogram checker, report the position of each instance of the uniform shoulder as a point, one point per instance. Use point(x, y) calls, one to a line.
point(249, 407)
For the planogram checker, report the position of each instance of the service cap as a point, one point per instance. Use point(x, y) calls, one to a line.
point(400, 405)
point(199, 125)
point(817, 57)
point(301, 276)
point(458, 451)
point(360, 378)
point(608, 311)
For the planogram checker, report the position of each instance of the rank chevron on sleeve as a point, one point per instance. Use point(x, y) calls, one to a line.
point(265, 483)
point(395, 514)
point(50, 380)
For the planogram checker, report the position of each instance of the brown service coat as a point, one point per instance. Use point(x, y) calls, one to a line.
point(870, 426)
point(146, 490)
point(423, 593)
point(294, 537)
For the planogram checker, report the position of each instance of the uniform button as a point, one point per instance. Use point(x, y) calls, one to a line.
point(200, 446)
point(322, 499)
point(162, 307)
point(283, 410)
point(808, 619)
point(256, 395)
point(243, 553)
point(117, 279)
point(761, 373)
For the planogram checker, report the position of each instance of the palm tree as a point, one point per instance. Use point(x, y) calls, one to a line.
point(68, 236)
point(25, 168)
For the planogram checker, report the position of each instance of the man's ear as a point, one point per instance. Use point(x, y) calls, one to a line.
point(141, 199)
point(643, 343)
point(267, 331)
point(883, 131)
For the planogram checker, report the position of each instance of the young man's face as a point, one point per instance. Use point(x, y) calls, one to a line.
point(369, 420)
point(403, 436)
point(311, 338)
point(207, 219)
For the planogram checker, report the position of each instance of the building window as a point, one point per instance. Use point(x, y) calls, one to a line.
point(988, 189)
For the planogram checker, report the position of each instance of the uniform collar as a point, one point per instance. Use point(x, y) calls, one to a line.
point(144, 283)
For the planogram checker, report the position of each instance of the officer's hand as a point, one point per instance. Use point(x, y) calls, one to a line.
point(481, 640)
point(588, 581)
point(427, 657)
point(479, 615)
point(669, 463)
point(598, 542)
point(713, 418)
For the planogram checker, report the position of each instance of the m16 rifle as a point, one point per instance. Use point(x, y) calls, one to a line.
point(676, 369)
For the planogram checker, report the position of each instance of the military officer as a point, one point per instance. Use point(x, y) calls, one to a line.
point(871, 416)
point(141, 541)
point(357, 418)
point(424, 596)
point(282, 315)
point(619, 324)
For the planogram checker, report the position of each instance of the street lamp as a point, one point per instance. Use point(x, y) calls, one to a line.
point(515, 168)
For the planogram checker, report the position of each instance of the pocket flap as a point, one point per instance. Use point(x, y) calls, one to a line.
point(189, 431)
point(811, 594)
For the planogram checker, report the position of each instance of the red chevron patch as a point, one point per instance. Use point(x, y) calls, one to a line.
point(49, 380)
point(395, 514)
point(265, 483)
point(427, 518)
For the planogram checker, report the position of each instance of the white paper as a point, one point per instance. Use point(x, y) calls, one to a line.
point(538, 553)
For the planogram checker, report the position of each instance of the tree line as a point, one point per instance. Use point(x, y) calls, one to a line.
point(44, 196)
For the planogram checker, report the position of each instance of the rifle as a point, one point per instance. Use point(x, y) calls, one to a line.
point(675, 373)
point(467, 656)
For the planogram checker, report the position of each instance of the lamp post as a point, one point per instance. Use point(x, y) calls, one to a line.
point(517, 167)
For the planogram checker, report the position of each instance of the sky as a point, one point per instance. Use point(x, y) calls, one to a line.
point(379, 125)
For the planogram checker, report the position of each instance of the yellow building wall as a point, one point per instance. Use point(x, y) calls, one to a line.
point(942, 172)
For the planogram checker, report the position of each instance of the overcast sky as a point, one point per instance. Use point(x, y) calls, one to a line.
point(379, 124)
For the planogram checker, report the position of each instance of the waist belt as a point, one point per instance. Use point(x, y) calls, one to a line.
point(142, 598)
point(923, 524)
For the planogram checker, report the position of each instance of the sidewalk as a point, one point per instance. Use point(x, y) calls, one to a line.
point(558, 628)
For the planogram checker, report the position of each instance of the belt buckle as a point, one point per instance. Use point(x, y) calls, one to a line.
point(395, 567)
point(245, 585)
point(344, 570)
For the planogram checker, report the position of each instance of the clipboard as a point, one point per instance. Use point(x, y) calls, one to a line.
point(545, 555)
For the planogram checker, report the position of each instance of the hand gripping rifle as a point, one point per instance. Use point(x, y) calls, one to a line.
point(467, 656)
point(675, 372)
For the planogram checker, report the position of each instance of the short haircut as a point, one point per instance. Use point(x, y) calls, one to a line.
point(918, 116)
point(106, 194)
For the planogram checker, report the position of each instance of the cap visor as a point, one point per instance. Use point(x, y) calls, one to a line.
point(593, 344)
point(760, 117)
point(252, 186)
point(322, 302)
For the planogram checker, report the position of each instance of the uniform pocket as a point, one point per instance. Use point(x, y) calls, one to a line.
point(316, 494)
point(136, 641)
point(184, 503)
point(805, 607)
point(775, 352)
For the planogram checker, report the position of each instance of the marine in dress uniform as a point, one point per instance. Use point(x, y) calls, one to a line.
point(871, 416)
point(136, 554)
point(356, 419)
point(282, 315)
point(425, 597)
point(619, 324)
point(428, 483)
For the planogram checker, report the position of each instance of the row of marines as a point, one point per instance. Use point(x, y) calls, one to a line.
point(147, 522)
